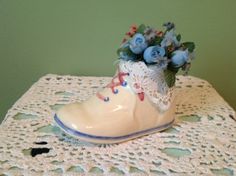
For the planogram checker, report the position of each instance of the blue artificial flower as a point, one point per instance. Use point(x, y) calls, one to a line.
point(153, 53)
point(138, 43)
point(170, 38)
point(180, 57)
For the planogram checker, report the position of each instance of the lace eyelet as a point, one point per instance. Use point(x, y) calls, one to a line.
point(106, 99)
point(124, 83)
point(115, 91)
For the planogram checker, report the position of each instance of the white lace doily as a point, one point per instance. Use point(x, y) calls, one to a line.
point(201, 142)
point(149, 80)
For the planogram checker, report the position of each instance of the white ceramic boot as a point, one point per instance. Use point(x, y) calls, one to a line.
point(139, 100)
point(136, 102)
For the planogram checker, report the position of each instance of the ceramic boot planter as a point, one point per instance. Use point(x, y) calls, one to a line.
point(139, 100)
point(129, 107)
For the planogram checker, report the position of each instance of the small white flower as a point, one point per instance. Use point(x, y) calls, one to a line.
point(169, 38)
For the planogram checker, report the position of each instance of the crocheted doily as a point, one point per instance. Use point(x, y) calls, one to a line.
point(201, 142)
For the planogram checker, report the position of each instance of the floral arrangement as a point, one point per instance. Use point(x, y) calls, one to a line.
point(160, 48)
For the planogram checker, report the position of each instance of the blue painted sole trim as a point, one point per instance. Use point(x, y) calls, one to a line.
point(125, 137)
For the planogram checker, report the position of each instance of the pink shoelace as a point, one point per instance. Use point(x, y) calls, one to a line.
point(114, 84)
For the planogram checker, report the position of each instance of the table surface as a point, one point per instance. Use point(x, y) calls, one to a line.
point(201, 142)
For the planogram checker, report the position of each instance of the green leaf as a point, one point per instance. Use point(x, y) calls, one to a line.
point(126, 50)
point(118, 51)
point(141, 28)
point(157, 41)
point(122, 49)
point(170, 77)
point(178, 37)
point(189, 45)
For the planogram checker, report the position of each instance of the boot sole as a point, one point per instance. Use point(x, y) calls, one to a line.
point(109, 139)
